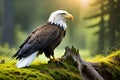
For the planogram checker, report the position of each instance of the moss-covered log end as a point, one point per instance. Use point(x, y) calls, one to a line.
point(108, 67)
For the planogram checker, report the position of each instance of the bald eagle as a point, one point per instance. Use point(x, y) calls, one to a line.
point(43, 39)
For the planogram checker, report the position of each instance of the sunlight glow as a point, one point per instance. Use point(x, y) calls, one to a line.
point(84, 3)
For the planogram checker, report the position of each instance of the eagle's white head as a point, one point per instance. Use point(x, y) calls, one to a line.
point(59, 18)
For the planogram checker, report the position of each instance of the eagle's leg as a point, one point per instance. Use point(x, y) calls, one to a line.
point(57, 61)
point(53, 59)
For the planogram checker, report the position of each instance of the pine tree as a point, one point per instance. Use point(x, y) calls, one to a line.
point(100, 24)
point(108, 34)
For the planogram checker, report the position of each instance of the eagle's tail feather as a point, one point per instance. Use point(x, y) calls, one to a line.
point(15, 55)
point(25, 62)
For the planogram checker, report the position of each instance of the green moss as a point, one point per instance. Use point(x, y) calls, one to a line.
point(65, 70)
point(109, 66)
point(39, 71)
point(64, 75)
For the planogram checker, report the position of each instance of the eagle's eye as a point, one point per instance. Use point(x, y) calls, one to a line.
point(63, 13)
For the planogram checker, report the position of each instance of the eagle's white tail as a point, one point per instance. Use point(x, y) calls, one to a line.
point(25, 62)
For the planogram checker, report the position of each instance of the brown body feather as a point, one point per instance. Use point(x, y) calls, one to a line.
point(43, 39)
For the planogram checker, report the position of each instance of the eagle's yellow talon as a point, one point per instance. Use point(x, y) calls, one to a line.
point(54, 59)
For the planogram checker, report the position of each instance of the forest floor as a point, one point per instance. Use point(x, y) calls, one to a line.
point(39, 71)
point(107, 66)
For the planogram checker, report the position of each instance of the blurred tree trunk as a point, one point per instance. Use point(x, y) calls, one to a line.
point(7, 23)
point(112, 23)
point(101, 38)
point(101, 24)
point(118, 20)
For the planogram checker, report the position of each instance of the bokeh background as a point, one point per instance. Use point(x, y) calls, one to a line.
point(95, 28)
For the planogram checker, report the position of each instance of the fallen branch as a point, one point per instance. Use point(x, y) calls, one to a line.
point(86, 70)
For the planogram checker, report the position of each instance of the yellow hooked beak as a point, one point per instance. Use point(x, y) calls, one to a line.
point(69, 16)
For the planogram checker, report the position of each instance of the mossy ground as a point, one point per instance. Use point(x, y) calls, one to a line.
point(108, 67)
point(39, 71)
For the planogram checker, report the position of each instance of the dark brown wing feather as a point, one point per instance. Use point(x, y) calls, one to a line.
point(28, 37)
point(39, 39)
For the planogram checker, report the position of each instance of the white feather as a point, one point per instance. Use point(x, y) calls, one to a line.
point(25, 62)
point(58, 19)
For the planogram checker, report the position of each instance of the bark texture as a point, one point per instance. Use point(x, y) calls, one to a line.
point(87, 71)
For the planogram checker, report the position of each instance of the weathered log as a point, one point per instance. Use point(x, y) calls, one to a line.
point(87, 71)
